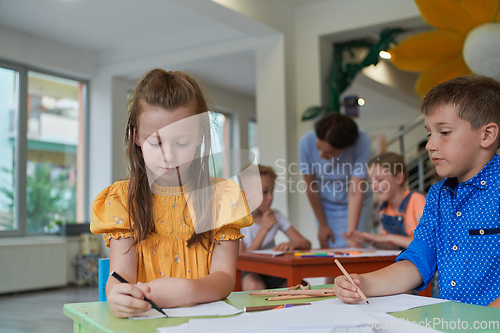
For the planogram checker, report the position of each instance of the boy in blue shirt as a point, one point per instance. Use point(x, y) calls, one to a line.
point(459, 232)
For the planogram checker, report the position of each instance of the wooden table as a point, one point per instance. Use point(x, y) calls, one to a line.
point(294, 268)
point(96, 316)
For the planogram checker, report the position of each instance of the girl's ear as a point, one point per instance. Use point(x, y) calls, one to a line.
point(400, 178)
point(136, 138)
point(490, 135)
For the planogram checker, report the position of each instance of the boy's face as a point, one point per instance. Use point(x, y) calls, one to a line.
point(453, 146)
point(383, 183)
point(267, 193)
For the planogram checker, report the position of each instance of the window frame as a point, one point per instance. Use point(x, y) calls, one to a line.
point(252, 119)
point(21, 149)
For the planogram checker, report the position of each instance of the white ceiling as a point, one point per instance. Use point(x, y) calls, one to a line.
point(101, 25)
point(128, 37)
point(119, 32)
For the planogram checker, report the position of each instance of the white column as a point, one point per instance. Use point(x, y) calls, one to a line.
point(271, 108)
point(119, 169)
point(100, 134)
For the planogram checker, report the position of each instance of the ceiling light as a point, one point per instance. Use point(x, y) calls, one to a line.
point(384, 55)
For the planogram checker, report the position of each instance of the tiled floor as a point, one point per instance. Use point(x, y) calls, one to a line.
point(41, 311)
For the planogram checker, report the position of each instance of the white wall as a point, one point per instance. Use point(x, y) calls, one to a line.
point(119, 90)
point(271, 115)
point(100, 131)
point(46, 54)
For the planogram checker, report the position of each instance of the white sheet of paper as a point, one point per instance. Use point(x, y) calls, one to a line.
point(218, 308)
point(270, 252)
point(389, 324)
point(318, 315)
point(393, 303)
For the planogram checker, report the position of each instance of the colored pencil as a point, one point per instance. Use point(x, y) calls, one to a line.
point(271, 307)
point(153, 304)
point(275, 291)
point(287, 297)
point(351, 280)
point(294, 292)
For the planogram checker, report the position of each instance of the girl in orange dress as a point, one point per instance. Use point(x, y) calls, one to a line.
point(172, 229)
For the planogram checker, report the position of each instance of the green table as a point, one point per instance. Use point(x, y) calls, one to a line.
point(96, 316)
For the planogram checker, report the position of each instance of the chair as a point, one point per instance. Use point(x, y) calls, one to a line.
point(103, 271)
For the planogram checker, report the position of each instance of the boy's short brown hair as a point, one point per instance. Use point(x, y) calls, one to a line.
point(476, 97)
point(267, 171)
point(392, 162)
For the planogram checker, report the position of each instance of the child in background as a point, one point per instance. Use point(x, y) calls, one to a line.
point(146, 219)
point(260, 236)
point(459, 232)
point(388, 177)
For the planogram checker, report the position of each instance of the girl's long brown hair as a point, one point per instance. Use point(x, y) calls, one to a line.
point(168, 90)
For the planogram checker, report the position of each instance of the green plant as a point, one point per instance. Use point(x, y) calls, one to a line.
point(49, 196)
point(6, 218)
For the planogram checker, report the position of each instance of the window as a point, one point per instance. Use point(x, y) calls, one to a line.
point(9, 110)
point(253, 144)
point(221, 131)
point(48, 155)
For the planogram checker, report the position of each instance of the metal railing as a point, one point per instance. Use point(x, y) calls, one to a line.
point(403, 130)
point(422, 174)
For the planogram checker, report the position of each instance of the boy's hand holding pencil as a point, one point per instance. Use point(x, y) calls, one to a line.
point(348, 287)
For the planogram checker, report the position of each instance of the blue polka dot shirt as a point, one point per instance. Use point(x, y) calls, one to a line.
point(459, 235)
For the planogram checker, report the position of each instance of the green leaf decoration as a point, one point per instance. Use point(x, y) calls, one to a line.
point(342, 74)
point(313, 111)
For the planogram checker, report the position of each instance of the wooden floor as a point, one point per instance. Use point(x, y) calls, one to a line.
point(41, 311)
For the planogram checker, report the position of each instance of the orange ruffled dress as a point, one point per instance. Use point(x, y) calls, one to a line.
point(165, 253)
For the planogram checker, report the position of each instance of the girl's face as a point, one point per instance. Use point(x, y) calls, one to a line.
point(267, 193)
point(168, 139)
point(383, 183)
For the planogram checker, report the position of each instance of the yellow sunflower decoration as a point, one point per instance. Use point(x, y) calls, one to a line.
point(464, 28)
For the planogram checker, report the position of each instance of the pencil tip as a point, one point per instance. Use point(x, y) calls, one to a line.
point(367, 302)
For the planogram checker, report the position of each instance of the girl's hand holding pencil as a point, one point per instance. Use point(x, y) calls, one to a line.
point(127, 300)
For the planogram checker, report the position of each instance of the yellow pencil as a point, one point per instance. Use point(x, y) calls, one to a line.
point(351, 280)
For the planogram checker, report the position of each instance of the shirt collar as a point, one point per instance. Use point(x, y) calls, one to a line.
point(480, 180)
